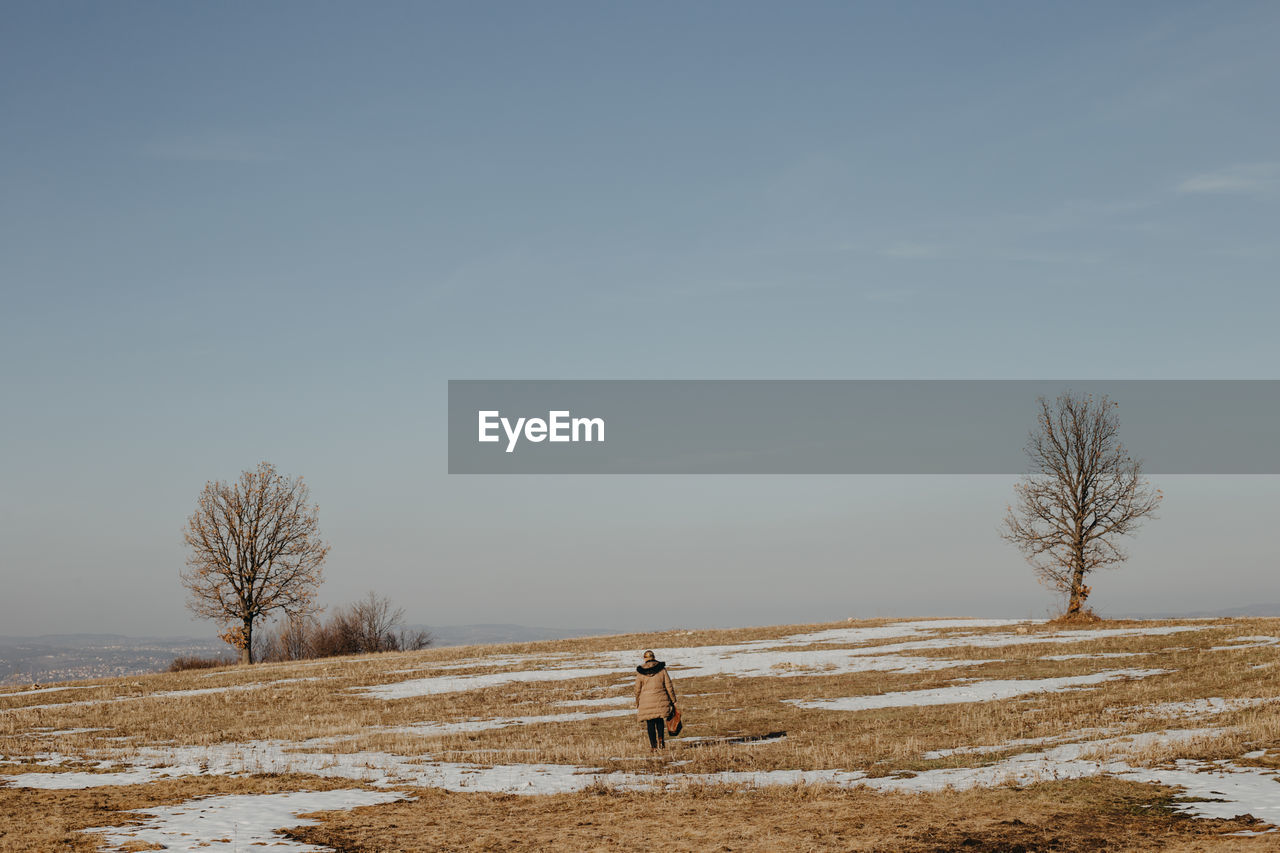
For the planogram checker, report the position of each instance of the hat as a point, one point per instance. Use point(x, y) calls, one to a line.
point(648, 655)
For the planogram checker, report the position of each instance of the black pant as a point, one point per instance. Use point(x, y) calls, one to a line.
point(657, 729)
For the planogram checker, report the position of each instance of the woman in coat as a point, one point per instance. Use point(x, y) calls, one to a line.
point(655, 699)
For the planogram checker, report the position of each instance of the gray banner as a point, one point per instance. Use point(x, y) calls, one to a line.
point(841, 427)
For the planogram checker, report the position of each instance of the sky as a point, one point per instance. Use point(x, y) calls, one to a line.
point(239, 232)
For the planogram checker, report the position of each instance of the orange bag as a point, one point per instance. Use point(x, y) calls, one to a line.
point(674, 725)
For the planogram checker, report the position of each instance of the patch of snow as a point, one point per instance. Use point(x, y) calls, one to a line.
point(1201, 707)
point(1064, 762)
point(858, 636)
point(379, 767)
point(551, 658)
point(164, 694)
point(1187, 709)
point(435, 729)
point(756, 657)
point(77, 781)
point(1219, 789)
point(49, 690)
point(1076, 735)
point(987, 641)
point(980, 691)
point(1246, 643)
point(44, 759)
point(769, 657)
point(694, 663)
point(239, 821)
point(435, 685)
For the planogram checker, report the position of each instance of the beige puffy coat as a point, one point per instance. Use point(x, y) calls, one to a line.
point(655, 694)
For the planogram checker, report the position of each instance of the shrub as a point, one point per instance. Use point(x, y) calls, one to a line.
point(368, 625)
point(182, 663)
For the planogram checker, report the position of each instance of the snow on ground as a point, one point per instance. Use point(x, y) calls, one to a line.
point(855, 636)
point(1201, 707)
point(461, 683)
point(1238, 790)
point(1077, 735)
point(1191, 708)
point(1246, 643)
point(564, 666)
point(390, 769)
point(1063, 762)
point(694, 663)
point(1221, 789)
point(381, 768)
point(755, 658)
point(493, 662)
point(1241, 789)
point(164, 694)
point(778, 657)
point(436, 729)
point(77, 780)
point(978, 691)
point(1001, 640)
point(48, 690)
point(239, 821)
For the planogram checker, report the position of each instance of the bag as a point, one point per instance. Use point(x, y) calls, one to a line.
point(674, 726)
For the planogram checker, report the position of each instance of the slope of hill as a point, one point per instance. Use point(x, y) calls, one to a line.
point(904, 735)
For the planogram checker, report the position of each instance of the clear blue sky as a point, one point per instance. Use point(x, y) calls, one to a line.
point(242, 231)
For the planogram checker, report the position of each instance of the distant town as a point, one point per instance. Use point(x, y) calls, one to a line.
point(67, 657)
point(52, 658)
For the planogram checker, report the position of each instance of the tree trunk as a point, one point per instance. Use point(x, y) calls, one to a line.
point(246, 652)
point(1078, 590)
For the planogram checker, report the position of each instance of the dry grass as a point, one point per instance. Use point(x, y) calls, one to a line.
point(300, 701)
point(1088, 815)
point(32, 821)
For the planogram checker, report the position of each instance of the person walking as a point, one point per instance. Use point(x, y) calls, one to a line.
point(655, 699)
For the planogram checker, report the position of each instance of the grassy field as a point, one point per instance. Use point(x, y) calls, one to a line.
point(1030, 737)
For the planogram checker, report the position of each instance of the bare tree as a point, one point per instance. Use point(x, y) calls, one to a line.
point(368, 625)
point(1082, 493)
point(255, 548)
point(292, 639)
point(373, 622)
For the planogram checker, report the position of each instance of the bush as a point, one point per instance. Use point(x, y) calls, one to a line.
point(368, 625)
point(182, 663)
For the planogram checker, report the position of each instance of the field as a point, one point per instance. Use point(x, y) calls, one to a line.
point(879, 735)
